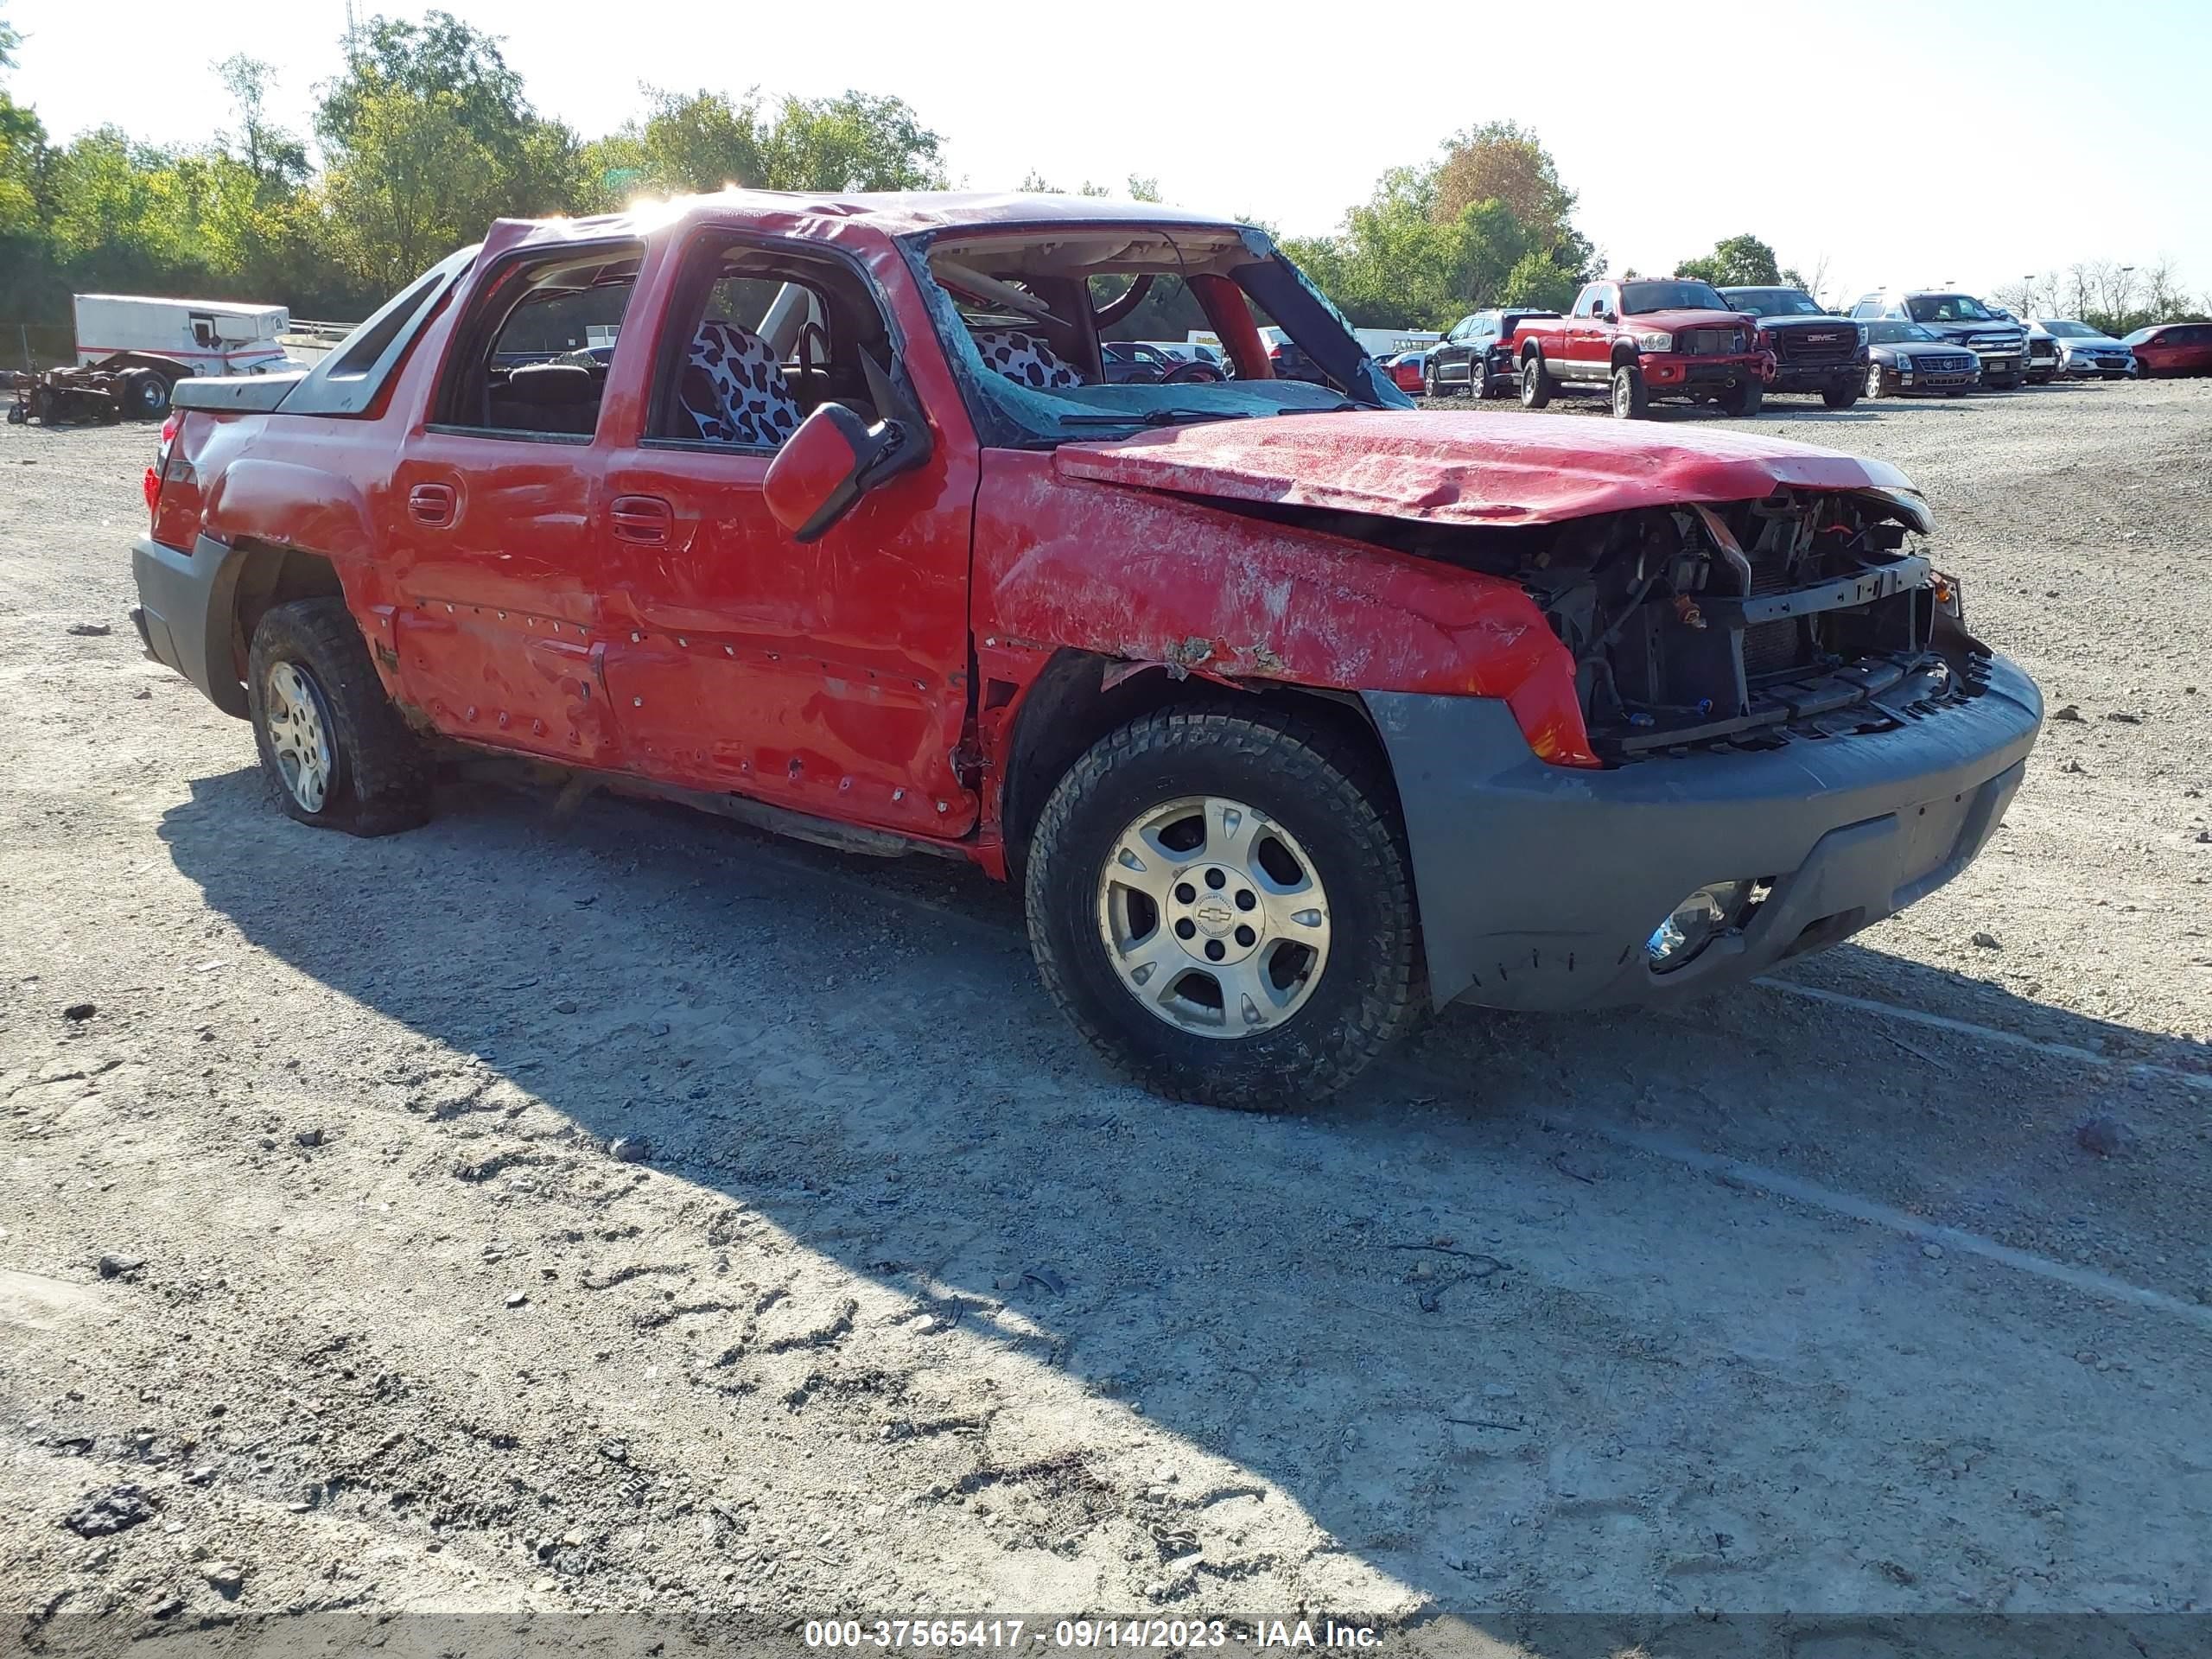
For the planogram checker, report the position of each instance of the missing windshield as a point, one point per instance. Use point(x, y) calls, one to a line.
point(1082, 329)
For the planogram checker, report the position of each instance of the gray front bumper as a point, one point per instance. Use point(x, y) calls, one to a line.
point(1539, 885)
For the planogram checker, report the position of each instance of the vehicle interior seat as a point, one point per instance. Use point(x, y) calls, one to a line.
point(1025, 359)
point(734, 391)
point(548, 398)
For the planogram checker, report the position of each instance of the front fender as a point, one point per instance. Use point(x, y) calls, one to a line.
point(1150, 578)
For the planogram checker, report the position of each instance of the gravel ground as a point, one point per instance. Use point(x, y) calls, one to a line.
point(624, 1211)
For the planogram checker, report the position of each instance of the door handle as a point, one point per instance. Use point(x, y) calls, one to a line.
point(432, 504)
point(643, 519)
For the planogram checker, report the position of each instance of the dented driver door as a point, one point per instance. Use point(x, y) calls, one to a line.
point(829, 679)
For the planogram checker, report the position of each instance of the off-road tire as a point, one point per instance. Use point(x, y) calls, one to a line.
point(1844, 396)
point(380, 775)
point(1536, 382)
point(1743, 400)
point(1322, 790)
point(1629, 400)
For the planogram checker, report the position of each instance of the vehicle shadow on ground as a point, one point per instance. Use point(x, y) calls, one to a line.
point(783, 1030)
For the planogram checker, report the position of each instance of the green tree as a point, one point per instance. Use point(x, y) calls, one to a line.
point(686, 143)
point(1396, 262)
point(856, 141)
point(1034, 183)
point(1539, 283)
point(1736, 261)
point(278, 159)
point(428, 136)
point(23, 166)
point(414, 181)
point(1503, 162)
point(703, 141)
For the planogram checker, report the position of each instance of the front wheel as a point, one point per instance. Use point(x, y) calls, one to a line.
point(1875, 387)
point(330, 740)
point(1843, 395)
point(1219, 902)
point(1536, 385)
point(1632, 400)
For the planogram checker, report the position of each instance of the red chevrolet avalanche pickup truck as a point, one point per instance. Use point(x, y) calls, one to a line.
point(1294, 709)
point(1634, 341)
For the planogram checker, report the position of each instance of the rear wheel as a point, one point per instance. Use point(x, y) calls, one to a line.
point(1632, 400)
point(1220, 905)
point(1536, 383)
point(147, 393)
point(1743, 398)
point(330, 739)
point(1429, 388)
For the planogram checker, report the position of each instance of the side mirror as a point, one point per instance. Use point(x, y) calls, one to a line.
point(828, 464)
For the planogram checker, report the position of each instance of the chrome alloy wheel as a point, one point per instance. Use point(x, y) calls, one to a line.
point(299, 734)
point(1213, 917)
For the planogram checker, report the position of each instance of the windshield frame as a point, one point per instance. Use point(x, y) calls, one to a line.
point(1981, 312)
point(1009, 415)
point(1630, 308)
point(1787, 295)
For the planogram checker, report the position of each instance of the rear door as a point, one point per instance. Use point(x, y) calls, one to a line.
point(488, 517)
point(832, 677)
point(1448, 358)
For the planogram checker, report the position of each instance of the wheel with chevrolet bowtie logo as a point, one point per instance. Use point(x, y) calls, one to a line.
point(1221, 905)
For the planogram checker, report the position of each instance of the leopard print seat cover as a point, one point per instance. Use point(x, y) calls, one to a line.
point(733, 390)
point(1025, 359)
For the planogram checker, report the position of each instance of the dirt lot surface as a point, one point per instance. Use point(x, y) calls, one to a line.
point(627, 1211)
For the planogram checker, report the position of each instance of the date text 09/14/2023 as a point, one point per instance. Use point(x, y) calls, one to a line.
point(1006, 1634)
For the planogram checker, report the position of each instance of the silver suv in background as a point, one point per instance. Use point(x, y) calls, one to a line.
point(2000, 342)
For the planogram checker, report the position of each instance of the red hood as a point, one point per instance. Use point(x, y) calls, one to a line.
point(1471, 468)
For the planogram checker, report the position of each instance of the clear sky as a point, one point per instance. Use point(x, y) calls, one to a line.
point(1905, 143)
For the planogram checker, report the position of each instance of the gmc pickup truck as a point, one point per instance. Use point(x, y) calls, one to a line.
point(1293, 710)
point(1635, 341)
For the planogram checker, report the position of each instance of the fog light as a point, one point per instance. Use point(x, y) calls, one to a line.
point(1693, 924)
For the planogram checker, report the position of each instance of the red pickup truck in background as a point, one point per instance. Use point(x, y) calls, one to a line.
point(1293, 709)
point(1638, 340)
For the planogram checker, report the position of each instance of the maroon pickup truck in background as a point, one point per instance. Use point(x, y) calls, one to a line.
point(1635, 341)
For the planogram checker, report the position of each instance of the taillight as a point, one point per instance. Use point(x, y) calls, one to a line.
point(153, 480)
point(177, 492)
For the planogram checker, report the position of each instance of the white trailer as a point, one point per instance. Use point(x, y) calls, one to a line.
point(209, 337)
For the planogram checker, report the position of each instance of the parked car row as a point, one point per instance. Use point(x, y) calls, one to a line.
point(1635, 341)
